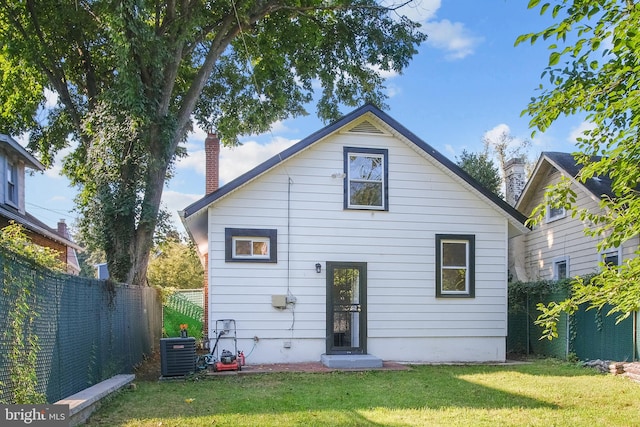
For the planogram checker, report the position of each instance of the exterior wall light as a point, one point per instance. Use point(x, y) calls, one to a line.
point(318, 268)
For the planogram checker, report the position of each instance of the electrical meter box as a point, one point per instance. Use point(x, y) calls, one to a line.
point(279, 301)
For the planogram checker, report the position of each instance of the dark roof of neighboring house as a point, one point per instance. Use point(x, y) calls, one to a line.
point(33, 224)
point(311, 139)
point(598, 186)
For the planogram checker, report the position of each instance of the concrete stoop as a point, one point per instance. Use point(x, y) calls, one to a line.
point(351, 361)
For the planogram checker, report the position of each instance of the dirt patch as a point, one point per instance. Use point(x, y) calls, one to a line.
point(149, 369)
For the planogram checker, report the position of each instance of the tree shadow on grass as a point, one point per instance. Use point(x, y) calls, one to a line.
point(340, 398)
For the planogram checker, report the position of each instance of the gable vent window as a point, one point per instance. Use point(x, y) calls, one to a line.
point(365, 127)
point(366, 183)
point(251, 245)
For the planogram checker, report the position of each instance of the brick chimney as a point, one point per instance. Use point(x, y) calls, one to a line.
point(514, 180)
point(212, 159)
point(62, 229)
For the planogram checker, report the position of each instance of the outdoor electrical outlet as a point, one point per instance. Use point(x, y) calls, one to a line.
point(291, 299)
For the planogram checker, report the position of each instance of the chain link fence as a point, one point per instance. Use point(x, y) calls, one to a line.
point(87, 330)
point(588, 334)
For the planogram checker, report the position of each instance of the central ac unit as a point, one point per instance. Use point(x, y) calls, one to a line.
point(177, 356)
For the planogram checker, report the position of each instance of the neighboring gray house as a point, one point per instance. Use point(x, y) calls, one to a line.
point(558, 248)
point(14, 160)
point(360, 239)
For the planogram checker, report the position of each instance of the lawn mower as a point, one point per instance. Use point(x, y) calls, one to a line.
point(225, 360)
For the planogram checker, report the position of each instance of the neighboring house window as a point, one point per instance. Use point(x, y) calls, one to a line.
point(611, 256)
point(251, 245)
point(366, 183)
point(455, 265)
point(560, 268)
point(555, 213)
point(12, 184)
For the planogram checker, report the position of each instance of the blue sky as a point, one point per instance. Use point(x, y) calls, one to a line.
point(468, 81)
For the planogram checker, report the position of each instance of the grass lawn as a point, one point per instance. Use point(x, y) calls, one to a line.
point(543, 393)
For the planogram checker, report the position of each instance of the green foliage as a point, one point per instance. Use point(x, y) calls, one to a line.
point(132, 76)
point(593, 69)
point(22, 342)
point(482, 168)
point(520, 293)
point(13, 238)
point(172, 319)
point(175, 264)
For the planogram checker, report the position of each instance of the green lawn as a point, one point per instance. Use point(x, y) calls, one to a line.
point(543, 393)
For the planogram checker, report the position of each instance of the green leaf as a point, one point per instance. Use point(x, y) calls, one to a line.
point(554, 58)
point(544, 8)
point(532, 3)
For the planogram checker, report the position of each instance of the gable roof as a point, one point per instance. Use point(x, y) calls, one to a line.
point(566, 164)
point(13, 146)
point(33, 224)
point(195, 225)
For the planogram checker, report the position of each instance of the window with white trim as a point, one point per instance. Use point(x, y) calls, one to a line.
point(611, 257)
point(555, 213)
point(455, 265)
point(560, 268)
point(366, 171)
point(251, 245)
point(12, 184)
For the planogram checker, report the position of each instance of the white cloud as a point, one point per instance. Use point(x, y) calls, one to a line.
point(449, 149)
point(578, 131)
point(513, 146)
point(418, 10)
point(452, 37)
point(51, 99)
point(494, 134)
point(236, 160)
point(174, 201)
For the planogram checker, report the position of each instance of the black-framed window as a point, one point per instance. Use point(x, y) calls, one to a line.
point(455, 265)
point(366, 178)
point(250, 245)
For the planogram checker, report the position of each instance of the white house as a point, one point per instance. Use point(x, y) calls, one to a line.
point(558, 248)
point(360, 239)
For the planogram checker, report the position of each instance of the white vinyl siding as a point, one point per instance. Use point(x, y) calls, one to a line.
point(398, 246)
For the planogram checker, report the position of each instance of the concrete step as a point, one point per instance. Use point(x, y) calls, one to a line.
point(351, 361)
point(85, 402)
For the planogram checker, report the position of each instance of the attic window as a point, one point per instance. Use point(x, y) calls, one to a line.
point(554, 214)
point(251, 245)
point(12, 184)
point(365, 186)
